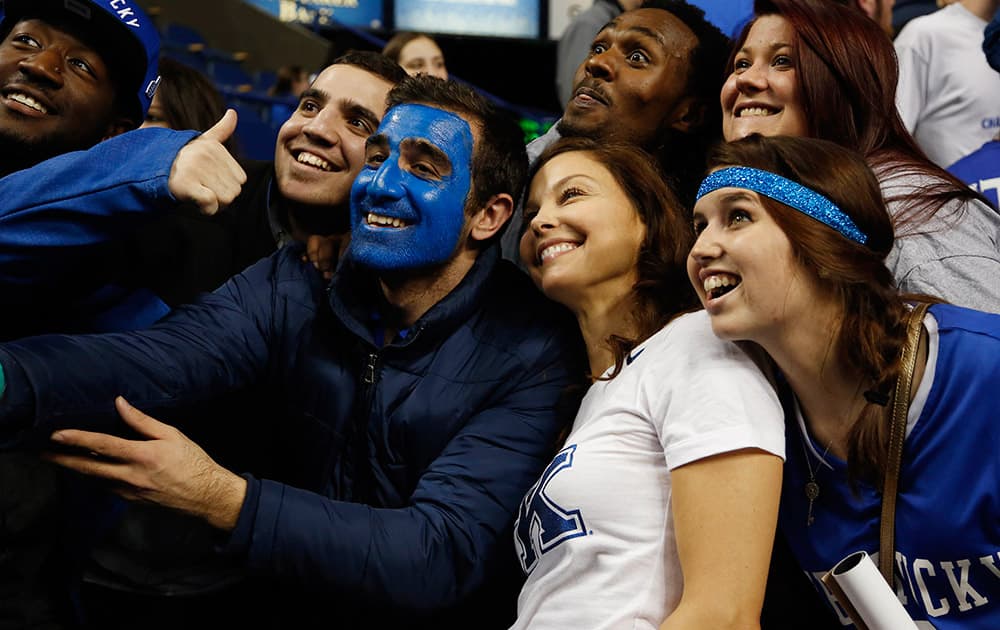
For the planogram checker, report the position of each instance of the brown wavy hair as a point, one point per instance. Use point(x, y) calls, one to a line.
point(847, 82)
point(873, 327)
point(662, 291)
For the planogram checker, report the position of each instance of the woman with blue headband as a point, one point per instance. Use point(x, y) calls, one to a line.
point(792, 235)
point(660, 508)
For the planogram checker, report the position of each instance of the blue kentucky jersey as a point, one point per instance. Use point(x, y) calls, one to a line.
point(947, 554)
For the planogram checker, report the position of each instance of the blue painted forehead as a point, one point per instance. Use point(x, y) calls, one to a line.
point(444, 129)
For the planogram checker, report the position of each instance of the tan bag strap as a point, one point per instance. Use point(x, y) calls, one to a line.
point(897, 435)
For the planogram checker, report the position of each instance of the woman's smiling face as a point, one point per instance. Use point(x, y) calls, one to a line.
point(762, 93)
point(583, 234)
point(744, 270)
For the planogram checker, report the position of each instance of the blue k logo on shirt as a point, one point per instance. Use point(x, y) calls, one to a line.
point(541, 523)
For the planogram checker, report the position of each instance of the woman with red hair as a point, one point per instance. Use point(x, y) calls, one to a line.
point(820, 69)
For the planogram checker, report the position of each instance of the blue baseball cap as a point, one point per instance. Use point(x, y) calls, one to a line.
point(123, 34)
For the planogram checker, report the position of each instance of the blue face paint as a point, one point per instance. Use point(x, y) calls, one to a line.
point(417, 172)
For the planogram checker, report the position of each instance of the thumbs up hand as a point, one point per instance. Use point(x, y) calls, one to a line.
point(204, 173)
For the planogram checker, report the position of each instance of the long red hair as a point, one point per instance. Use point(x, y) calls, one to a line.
point(847, 79)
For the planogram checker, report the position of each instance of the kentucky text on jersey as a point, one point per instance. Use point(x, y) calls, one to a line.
point(946, 587)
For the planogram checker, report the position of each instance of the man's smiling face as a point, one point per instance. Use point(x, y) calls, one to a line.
point(56, 92)
point(408, 203)
point(321, 148)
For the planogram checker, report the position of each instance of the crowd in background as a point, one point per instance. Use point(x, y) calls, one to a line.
point(410, 372)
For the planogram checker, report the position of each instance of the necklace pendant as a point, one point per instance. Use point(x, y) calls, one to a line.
point(812, 491)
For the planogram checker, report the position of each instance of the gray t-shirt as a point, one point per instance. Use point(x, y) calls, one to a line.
point(954, 256)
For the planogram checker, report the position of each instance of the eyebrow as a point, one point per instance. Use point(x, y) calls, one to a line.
point(774, 46)
point(319, 95)
point(352, 109)
point(569, 178)
point(648, 32)
point(424, 146)
point(737, 196)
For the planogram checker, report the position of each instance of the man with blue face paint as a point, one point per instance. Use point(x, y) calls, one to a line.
point(422, 391)
point(408, 204)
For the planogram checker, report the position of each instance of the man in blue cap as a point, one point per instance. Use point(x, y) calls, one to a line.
point(72, 74)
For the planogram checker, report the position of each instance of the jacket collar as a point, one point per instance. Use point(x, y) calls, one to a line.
point(355, 294)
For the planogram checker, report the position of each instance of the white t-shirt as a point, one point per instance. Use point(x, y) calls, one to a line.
point(595, 534)
point(948, 95)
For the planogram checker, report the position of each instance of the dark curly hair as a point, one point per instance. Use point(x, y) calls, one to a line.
point(683, 155)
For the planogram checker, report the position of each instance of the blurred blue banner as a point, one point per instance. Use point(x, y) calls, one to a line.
point(359, 13)
point(493, 18)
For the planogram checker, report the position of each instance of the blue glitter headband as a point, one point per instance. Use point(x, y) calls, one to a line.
point(786, 191)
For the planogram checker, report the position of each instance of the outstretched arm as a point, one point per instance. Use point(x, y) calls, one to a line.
point(725, 511)
point(53, 214)
point(200, 351)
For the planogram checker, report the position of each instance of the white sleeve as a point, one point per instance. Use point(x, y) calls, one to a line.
point(707, 397)
point(911, 91)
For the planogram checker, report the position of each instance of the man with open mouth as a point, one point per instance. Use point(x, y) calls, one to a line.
point(652, 79)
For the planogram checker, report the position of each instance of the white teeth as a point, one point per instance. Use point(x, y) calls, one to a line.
point(716, 281)
point(750, 112)
point(313, 160)
point(554, 250)
point(24, 99)
point(378, 219)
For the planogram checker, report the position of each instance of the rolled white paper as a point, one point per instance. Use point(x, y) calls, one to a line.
point(874, 600)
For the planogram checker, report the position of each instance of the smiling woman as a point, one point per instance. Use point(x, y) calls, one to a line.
point(679, 431)
point(799, 228)
point(819, 69)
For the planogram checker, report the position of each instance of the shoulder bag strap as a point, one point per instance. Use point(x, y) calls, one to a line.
point(897, 434)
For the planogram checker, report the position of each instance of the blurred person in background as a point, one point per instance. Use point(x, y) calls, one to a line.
point(948, 96)
point(291, 82)
point(417, 53)
point(185, 99)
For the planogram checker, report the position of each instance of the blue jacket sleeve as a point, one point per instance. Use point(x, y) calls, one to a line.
point(200, 351)
point(436, 550)
point(52, 212)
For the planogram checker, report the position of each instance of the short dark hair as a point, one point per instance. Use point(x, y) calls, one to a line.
point(683, 157)
point(373, 62)
point(499, 161)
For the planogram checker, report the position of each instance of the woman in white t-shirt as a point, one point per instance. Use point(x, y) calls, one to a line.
point(660, 509)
